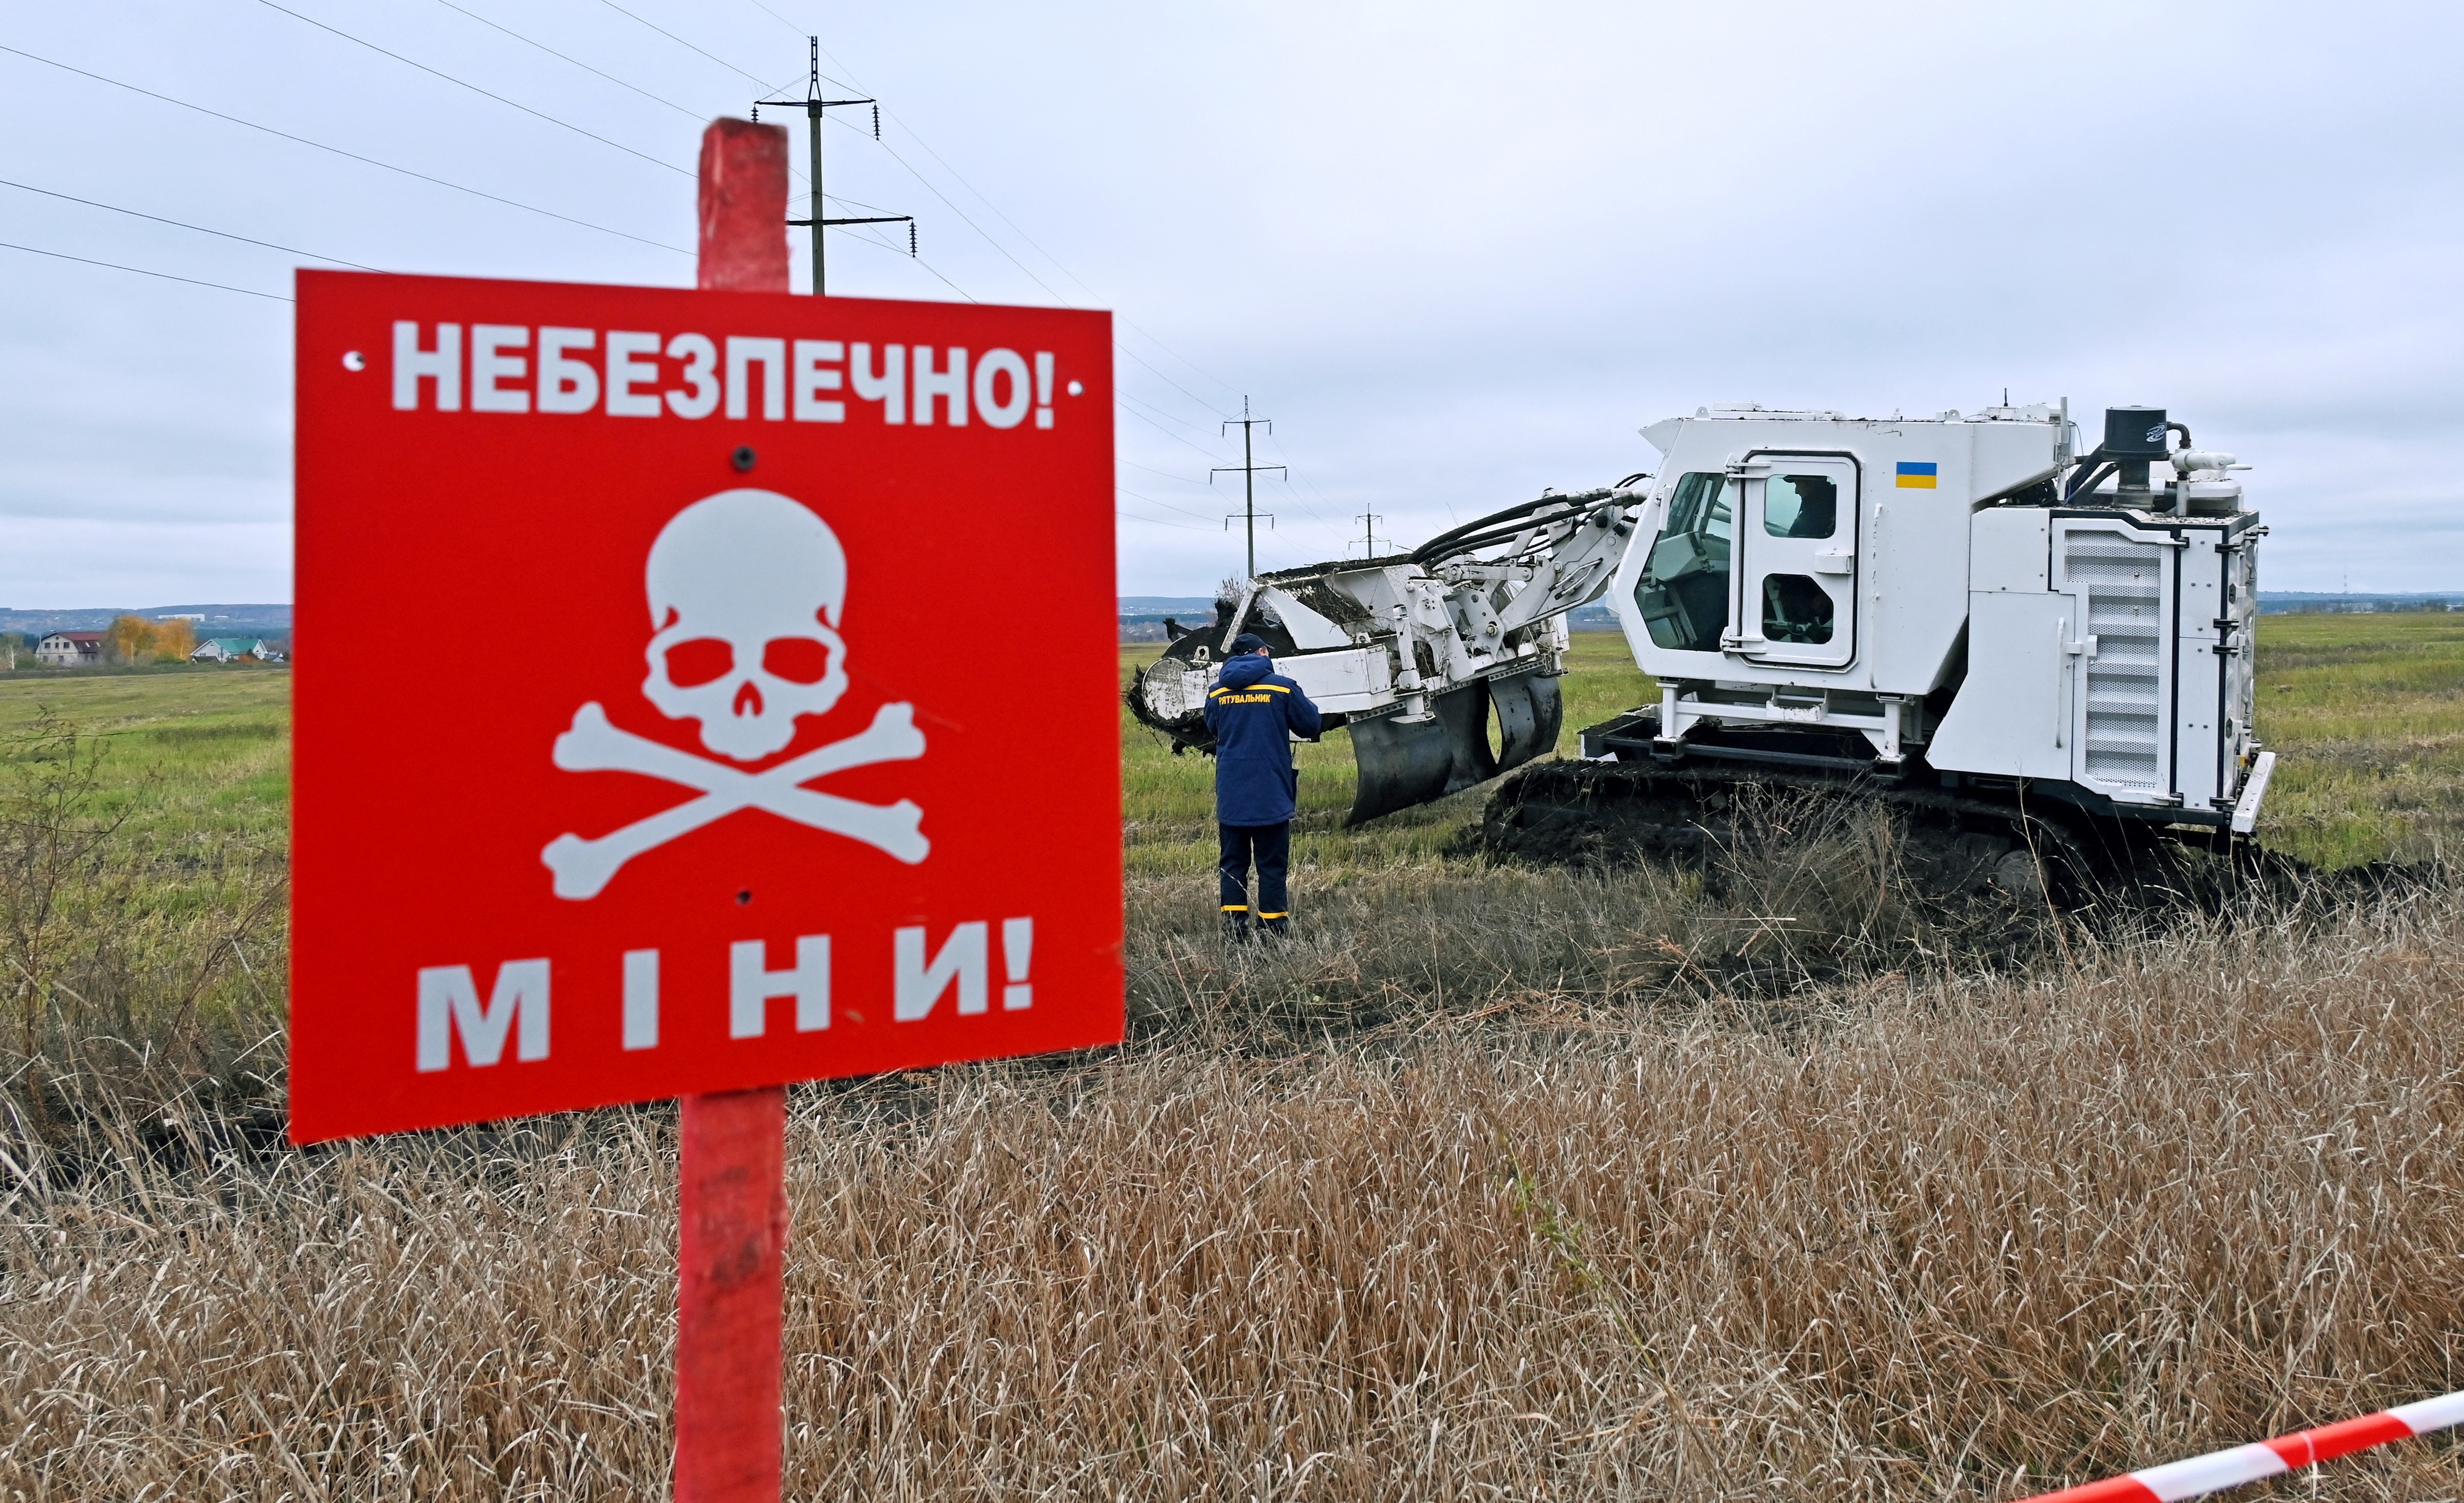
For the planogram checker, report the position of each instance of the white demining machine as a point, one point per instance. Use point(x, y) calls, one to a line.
point(1962, 615)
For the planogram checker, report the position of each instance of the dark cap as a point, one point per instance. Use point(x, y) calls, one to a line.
point(1248, 642)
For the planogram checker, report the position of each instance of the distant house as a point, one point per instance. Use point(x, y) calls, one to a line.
point(229, 649)
point(68, 649)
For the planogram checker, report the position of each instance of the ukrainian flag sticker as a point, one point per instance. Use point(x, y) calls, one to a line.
point(1916, 475)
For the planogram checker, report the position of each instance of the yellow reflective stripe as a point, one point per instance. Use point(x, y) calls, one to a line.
point(1236, 908)
point(1263, 913)
point(1236, 689)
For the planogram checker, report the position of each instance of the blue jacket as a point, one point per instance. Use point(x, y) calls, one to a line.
point(1254, 712)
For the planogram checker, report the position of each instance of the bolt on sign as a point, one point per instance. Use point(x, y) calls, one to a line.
point(709, 690)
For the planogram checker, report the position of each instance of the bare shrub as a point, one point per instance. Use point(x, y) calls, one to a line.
point(132, 998)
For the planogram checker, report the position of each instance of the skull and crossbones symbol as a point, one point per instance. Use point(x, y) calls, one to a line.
point(745, 591)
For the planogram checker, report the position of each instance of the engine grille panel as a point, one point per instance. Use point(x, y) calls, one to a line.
point(2123, 679)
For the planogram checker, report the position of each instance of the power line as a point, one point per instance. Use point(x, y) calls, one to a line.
point(984, 199)
point(475, 88)
point(1132, 403)
point(576, 62)
point(1142, 332)
point(1121, 398)
point(963, 183)
point(689, 114)
point(953, 207)
point(688, 46)
point(904, 255)
point(1155, 521)
point(1178, 480)
point(806, 199)
point(1065, 271)
point(1167, 416)
point(782, 21)
point(1302, 501)
point(1166, 505)
point(1297, 498)
point(1013, 224)
point(1039, 281)
point(1160, 376)
point(511, 203)
point(931, 188)
point(892, 151)
point(288, 250)
point(970, 223)
point(354, 156)
point(192, 282)
point(927, 266)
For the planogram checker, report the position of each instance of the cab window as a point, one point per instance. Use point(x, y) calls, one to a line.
point(1684, 593)
point(1800, 506)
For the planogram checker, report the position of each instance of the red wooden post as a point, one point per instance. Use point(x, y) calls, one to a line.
point(729, 1295)
point(731, 1173)
point(743, 206)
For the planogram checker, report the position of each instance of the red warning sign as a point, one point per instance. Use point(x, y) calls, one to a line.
point(700, 690)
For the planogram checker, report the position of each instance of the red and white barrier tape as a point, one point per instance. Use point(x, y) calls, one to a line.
point(2218, 1470)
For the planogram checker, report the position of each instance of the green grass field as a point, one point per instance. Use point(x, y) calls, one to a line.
point(188, 752)
point(2366, 716)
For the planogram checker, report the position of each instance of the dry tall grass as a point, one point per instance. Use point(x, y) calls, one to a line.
point(1762, 1177)
point(1922, 1236)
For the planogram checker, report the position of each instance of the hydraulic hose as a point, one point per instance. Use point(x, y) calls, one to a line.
point(1502, 527)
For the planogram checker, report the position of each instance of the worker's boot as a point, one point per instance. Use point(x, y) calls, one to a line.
point(1235, 926)
point(1275, 926)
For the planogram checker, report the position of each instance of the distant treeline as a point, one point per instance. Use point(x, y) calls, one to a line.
point(212, 619)
point(2275, 605)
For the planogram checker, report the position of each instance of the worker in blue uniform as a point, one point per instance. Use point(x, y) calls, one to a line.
point(1253, 713)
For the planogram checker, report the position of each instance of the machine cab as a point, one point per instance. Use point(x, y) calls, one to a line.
point(1809, 569)
point(1752, 557)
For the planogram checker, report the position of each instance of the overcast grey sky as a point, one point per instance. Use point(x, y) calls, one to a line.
point(1457, 252)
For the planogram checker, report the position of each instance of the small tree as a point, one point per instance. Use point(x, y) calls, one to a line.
point(134, 639)
point(129, 639)
point(57, 863)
